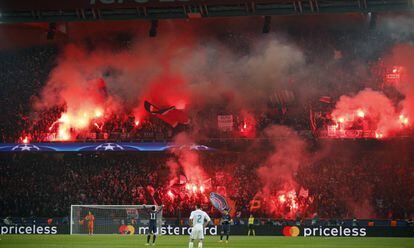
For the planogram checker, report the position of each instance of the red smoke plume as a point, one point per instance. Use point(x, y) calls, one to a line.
point(403, 55)
point(368, 110)
point(187, 161)
point(279, 192)
point(178, 69)
point(373, 110)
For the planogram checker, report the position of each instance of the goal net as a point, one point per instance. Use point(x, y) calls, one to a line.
point(112, 219)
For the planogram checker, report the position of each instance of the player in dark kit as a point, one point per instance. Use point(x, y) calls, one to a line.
point(225, 226)
point(153, 213)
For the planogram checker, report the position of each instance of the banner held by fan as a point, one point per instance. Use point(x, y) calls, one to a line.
point(219, 202)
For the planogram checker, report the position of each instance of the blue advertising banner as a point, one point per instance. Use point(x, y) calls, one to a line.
point(99, 147)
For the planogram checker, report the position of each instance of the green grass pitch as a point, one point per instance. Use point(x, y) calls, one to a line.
point(118, 241)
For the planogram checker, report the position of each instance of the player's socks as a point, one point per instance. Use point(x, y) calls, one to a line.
point(227, 237)
point(148, 239)
point(153, 239)
point(221, 237)
point(190, 245)
point(200, 244)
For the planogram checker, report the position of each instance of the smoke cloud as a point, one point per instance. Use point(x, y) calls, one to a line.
point(374, 105)
point(197, 68)
point(185, 161)
point(400, 28)
point(279, 187)
point(182, 68)
point(402, 55)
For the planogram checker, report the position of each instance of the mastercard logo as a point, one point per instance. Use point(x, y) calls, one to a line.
point(291, 231)
point(124, 229)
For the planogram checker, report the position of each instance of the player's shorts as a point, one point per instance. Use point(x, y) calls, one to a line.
point(251, 226)
point(90, 225)
point(225, 229)
point(197, 233)
point(152, 227)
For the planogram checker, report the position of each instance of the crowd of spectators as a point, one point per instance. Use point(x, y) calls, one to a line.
point(347, 183)
point(24, 72)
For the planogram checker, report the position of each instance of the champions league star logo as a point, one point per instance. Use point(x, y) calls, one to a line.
point(109, 147)
point(194, 147)
point(26, 147)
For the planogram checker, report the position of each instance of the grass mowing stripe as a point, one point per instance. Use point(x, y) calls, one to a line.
point(118, 241)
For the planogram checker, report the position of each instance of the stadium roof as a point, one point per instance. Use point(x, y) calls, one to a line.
point(15, 11)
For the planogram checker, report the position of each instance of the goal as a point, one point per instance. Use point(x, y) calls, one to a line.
point(112, 219)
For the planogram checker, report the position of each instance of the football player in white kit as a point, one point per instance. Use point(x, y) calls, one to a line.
point(198, 220)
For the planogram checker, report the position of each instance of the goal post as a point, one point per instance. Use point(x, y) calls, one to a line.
point(112, 219)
